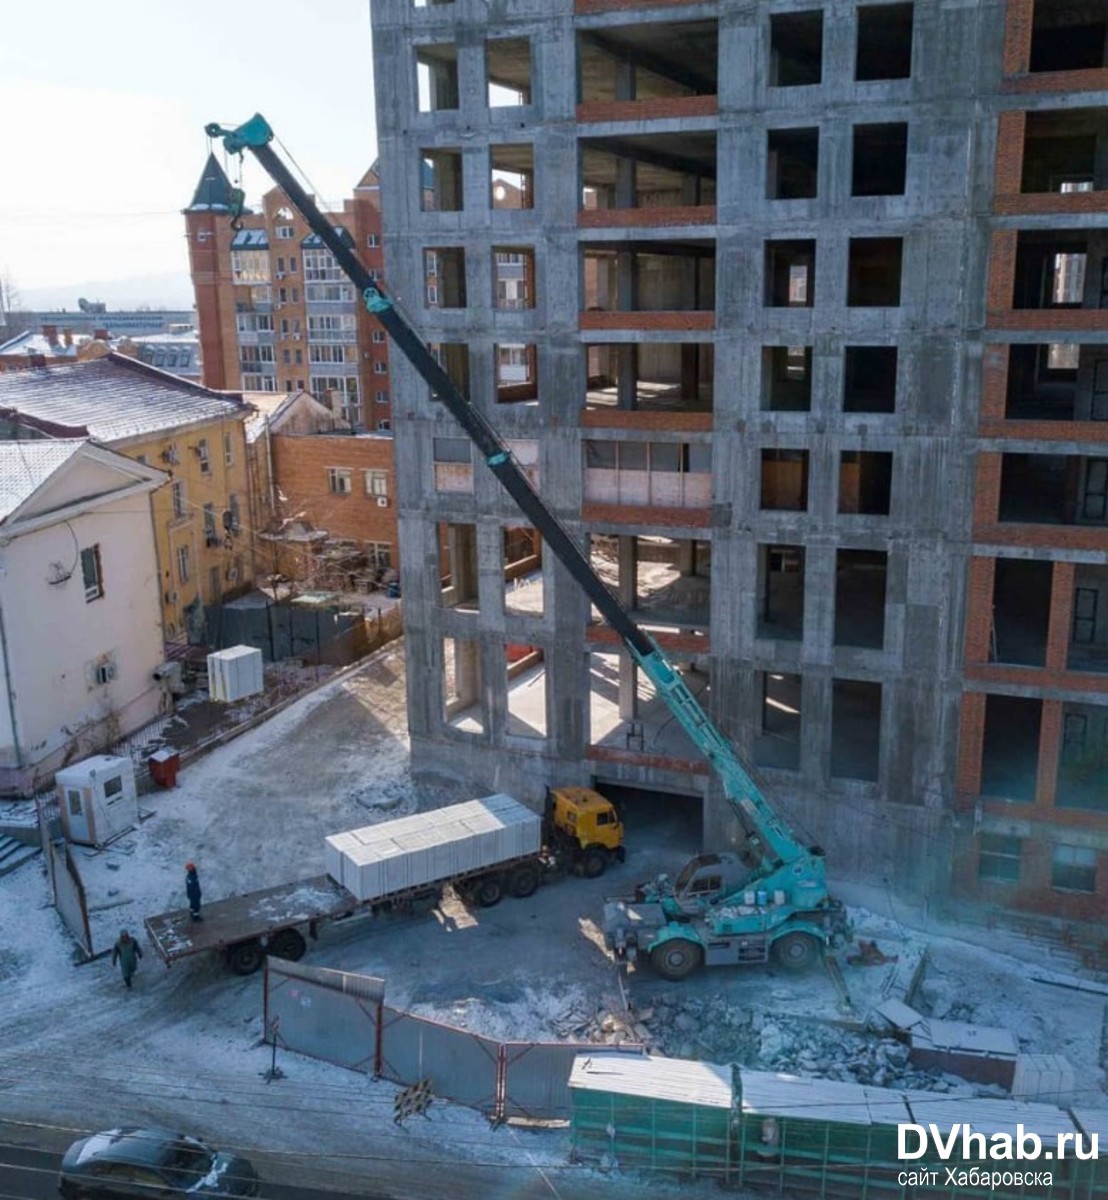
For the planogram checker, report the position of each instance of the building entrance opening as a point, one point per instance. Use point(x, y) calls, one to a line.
point(661, 829)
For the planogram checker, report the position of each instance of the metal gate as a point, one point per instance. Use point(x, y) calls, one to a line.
point(535, 1077)
point(462, 1067)
point(331, 1015)
point(69, 895)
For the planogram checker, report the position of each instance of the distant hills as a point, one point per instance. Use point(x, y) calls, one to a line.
point(170, 289)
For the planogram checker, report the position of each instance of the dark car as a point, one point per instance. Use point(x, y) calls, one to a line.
point(151, 1162)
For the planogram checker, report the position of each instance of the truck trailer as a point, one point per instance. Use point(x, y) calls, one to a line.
point(481, 849)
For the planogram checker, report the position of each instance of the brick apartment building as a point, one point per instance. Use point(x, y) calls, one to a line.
point(813, 358)
point(276, 314)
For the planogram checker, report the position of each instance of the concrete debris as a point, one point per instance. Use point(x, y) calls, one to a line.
point(713, 1031)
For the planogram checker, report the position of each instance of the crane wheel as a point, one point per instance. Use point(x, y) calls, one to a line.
point(796, 951)
point(676, 959)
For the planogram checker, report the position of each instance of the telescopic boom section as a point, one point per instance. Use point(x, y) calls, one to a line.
point(762, 826)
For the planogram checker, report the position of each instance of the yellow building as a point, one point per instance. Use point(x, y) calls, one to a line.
point(203, 531)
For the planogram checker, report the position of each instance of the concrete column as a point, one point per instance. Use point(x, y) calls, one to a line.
point(686, 556)
point(627, 560)
point(628, 674)
point(690, 370)
point(627, 375)
point(624, 193)
point(626, 280)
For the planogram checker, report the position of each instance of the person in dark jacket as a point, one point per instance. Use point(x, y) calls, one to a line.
point(127, 953)
point(192, 890)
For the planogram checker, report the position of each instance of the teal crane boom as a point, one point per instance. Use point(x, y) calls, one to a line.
point(773, 861)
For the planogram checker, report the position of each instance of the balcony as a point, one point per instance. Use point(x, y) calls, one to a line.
point(648, 71)
point(665, 582)
point(664, 179)
point(1064, 49)
point(1057, 381)
point(671, 378)
point(1068, 492)
point(655, 482)
point(663, 285)
point(1048, 279)
point(1052, 161)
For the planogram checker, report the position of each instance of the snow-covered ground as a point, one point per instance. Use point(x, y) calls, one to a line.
point(80, 1052)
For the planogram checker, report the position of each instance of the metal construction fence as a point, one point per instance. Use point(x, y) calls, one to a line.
point(342, 1018)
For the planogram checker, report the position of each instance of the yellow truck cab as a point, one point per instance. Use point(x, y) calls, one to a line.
point(586, 826)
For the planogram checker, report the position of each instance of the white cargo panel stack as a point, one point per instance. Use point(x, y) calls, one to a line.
point(235, 673)
point(432, 847)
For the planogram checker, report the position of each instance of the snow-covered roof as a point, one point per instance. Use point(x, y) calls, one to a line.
point(770, 1094)
point(988, 1116)
point(1093, 1120)
point(113, 397)
point(686, 1082)
point(30, 342)
point(27, 464)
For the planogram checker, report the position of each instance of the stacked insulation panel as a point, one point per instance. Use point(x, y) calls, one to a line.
point(432, 847)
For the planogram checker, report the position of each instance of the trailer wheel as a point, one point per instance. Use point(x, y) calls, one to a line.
point(677, 958)
point(246, 957)
point(524, 882)
point(488, 891)
point(795, 951)
point(594, 862)
point(288, 944)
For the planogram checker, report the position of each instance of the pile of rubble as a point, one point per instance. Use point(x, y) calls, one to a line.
point(712, 1031)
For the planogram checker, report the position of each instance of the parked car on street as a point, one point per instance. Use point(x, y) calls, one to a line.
point(151, 1162)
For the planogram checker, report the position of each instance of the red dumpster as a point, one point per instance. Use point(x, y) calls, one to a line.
point(164, 765)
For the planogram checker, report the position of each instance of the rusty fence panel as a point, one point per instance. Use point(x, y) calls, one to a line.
point(535, 1078)
point(462, 1067)
point(330, 1015)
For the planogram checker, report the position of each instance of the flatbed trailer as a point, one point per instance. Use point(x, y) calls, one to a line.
point(245, 928)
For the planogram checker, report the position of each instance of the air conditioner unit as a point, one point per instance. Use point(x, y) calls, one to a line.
point(382, 501)
point(232, 574)
point(170, 455)
point(105, 672)
point(212, 540)
point(296, 337)
point(171, 597)
point(280, 274)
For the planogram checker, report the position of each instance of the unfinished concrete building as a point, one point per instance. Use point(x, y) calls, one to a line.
point(809, 349)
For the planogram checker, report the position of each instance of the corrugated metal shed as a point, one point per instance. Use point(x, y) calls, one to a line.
point(657, 1078)
point(818, 1137)
point(656, 1113)
point(1093, 1120)
point(988, 1116)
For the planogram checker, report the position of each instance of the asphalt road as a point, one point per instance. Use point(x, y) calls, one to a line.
point(29, 1174)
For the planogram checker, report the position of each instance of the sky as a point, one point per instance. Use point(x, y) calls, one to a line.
point(105, 107)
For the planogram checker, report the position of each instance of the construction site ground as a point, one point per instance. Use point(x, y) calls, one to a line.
point(184, 1048)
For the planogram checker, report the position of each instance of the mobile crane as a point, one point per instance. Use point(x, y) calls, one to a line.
point(768, 897)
